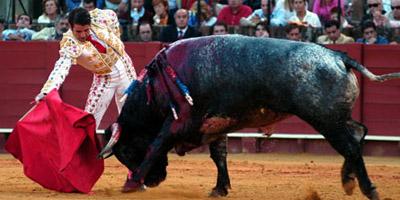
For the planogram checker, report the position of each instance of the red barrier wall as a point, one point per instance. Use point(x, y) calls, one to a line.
point(381, 105)
point(23, 71)
point(25, 67)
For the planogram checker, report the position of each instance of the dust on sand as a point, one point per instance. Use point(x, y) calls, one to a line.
point(253, 176)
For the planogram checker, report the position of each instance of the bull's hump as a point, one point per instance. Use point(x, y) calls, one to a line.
point(233, 41)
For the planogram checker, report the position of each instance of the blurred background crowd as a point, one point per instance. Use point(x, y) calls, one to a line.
point(320, 21)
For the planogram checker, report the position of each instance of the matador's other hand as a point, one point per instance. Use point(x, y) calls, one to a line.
point(39, 97)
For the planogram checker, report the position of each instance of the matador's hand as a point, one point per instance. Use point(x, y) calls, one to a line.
point(39, 97)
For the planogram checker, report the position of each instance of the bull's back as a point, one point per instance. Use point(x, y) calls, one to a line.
point(237, 72)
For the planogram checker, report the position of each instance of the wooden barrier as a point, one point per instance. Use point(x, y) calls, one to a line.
point(381, 101)
point(23, 71)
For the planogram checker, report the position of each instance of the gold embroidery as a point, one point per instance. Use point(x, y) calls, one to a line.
point(106, 28)
point(69, 46)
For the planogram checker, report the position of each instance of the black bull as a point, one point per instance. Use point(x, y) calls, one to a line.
point(238, 82)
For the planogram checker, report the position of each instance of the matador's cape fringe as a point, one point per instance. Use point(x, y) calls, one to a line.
point(160, 66)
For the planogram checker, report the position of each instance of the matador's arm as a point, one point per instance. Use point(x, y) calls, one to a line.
point(69, 51)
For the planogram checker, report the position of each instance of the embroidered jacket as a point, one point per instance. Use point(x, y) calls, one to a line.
point(105, 30)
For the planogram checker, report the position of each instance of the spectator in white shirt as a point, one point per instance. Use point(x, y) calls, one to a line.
point(50, 12)
point(303, 16)
point(394, 15)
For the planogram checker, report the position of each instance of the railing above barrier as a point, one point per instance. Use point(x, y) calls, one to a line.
point(273, 136)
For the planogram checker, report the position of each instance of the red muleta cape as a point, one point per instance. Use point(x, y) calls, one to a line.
point(57, 146)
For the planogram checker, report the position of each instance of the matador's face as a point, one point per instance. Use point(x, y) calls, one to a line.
point(81, 32)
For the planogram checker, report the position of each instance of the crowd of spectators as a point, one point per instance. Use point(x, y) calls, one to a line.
point(321, 21)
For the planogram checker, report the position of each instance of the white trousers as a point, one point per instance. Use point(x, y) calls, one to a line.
point(104, 88)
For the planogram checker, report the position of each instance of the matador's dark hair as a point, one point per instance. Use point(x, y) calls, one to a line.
point(79, 16)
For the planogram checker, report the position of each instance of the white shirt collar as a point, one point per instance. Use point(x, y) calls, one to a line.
point(183, 30)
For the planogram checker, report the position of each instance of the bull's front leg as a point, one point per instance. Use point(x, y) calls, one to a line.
point(218, 153)
point(159, 147)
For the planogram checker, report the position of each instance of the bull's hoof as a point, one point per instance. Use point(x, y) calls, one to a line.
point(373, 195)
point(219, 192)
point(154, 183)
point(349, 186)
point(133, 186)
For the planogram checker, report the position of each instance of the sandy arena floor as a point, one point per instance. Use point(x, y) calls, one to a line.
point(253, 176)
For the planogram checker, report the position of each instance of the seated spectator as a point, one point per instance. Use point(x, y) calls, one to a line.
point(188, 4)
point(217, 7)
point(219, 28)
point(303, 16)
point(386, 4)
point(370, 36)
point(120, 7)
point(89, 5)
point(343, 22)
point(179, 31)
point(145, 32)
point(51, 11)
point(137, 12)
point(395, 38)
point(380, 20)
point(53, 33)
point(116, 5)
point(173, 6)
point(293, 32)
point(233, 12)
point(323, 8)
point(1, 28)
point(394, 15)
point(262, 30)
point(373, 5)
point(376, 14)
point(72, 4)
point(262, 14)
point(23, 31)
point(333, 34)
point(206, 15)
point(161, 17)
point(284, 11)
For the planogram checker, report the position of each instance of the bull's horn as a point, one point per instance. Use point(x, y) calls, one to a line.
point(107, 150)
point(123, 98)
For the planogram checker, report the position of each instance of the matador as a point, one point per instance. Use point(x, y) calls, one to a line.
point(93, 42)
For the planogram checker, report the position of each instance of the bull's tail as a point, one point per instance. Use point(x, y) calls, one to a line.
point(352, 64)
